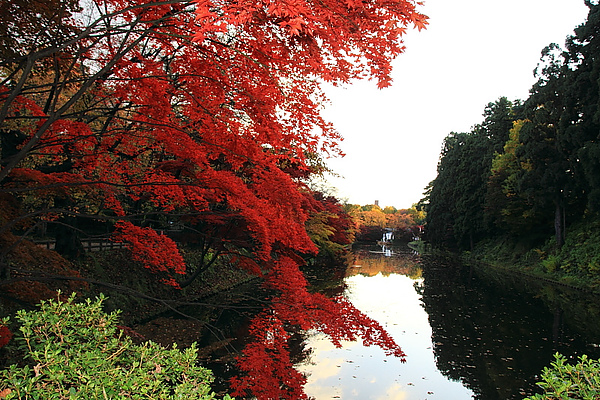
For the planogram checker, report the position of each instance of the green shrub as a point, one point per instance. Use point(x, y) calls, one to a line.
point(75, 351)
point(551, 263)
point(581, 251)
point(565, 381)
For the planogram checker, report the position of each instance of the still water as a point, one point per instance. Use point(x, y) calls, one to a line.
point(468, 333)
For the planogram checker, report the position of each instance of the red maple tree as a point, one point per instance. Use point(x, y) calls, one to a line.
point(129, 112)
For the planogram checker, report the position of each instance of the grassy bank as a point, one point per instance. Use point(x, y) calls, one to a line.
point(575, 264)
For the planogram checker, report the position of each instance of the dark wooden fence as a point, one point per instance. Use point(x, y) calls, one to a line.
point(88, 244)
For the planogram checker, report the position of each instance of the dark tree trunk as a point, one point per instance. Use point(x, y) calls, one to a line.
point(68, 243)
point(559, 230)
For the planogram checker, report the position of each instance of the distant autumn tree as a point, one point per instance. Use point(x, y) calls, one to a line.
point(373, 217)
point(371, 221)
point(133, 113)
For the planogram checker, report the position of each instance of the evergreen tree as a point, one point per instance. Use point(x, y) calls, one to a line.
point(580, 122)
point(457, 200)
point(535, 176)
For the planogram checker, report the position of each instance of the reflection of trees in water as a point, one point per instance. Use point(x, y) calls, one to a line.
point(225, 331)
point(491, 335)
point(369, 262)
point(271, 356)
point(578, 311)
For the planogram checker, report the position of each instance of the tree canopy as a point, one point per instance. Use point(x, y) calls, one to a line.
point(531, 168)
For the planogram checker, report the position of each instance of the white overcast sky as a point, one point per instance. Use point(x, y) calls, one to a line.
point(472, 53)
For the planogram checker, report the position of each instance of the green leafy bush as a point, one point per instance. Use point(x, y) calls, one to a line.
point(581, 252)
point(565, 381)
point(551, 264)
point(75, 351)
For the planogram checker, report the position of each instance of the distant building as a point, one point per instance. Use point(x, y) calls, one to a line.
point(377, 202)
point(388, 236)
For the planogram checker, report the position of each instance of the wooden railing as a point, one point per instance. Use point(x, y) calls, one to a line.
point(88, 244)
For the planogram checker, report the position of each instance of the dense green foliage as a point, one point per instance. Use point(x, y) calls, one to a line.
point(455, 201)
point(566, 381)
point(76, 351)
point(526, 179)
point(575, 264)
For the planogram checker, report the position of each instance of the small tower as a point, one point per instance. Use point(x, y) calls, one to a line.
point(377, 203)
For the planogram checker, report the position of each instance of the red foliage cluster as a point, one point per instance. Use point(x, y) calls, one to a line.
point(268, 372)
point(5, 335)
point(200, 109)
point(156, 252)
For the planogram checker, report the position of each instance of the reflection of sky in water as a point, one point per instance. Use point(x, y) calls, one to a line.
point(358, 372)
